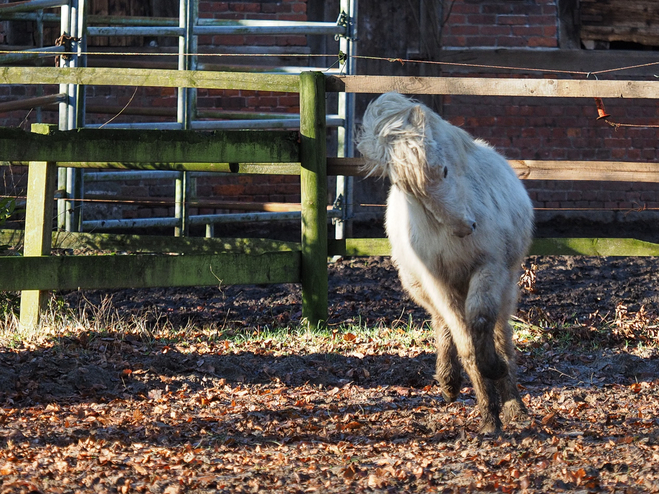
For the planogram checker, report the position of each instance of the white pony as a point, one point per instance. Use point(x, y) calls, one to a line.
point(460, 223)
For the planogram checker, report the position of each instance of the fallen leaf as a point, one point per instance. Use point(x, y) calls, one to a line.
point(350, 426)
point(549, 419)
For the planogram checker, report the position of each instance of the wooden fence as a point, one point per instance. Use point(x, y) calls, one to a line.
point(213, 261)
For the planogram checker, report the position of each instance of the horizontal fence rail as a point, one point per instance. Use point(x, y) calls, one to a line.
point(615, 171)
point(154, 243)
point(475, 86)
point(481, 86)
point(150, 146)
point(599, 247)
point(143, 271)
point(102, 76)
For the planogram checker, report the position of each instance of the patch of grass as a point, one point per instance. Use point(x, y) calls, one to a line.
point(9, 303)
point(93, 321)
point(355, 337)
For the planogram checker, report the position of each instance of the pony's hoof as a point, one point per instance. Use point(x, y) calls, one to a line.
point(449, 397)
point(491, 427)
point(514, 410)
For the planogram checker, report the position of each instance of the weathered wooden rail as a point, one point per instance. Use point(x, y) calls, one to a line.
point(213, 261)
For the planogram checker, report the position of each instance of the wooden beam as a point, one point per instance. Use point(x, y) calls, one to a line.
point(150, 146)
point(543, 170)
point(42, 182)
point(154, 243)
point(313, 188)
point(553, 88)
point(103, 76)
point(604, 247)
point(144, 271)
point(612, 171)
point(249, 168)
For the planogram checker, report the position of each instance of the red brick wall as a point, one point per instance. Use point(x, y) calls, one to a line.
point(502, 24)
point(549, 128)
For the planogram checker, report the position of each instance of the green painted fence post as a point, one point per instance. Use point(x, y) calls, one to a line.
point(42, 181)
point(313, 183)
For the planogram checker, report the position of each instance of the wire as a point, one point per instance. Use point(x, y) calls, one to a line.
point(357, 57)
point(122, 110)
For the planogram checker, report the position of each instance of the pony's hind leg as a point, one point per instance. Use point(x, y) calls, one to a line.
point(513, 406)
point(486, 396)
point(448, 369)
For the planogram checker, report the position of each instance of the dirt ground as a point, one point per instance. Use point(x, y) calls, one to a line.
point(97, 411)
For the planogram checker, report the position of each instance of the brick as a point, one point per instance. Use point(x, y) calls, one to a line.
point(496, 8)
point(509, 41)
point(291, 40)
point(537, 42)
point(574, 195)
point(649, 154)
point(517, 20)
point(495, 30)
point(457, 19)
point(464, 30)
point(249, 7)
point(618, 154)
point(550, 31)
point(473, 41)
point(292, 17)
point(517, 122)
point(480, 19)
point(455, 41)
point(228, 190)
point(212, 6)
point(229, 40)
point(462, 8)
point(261, 40)
point(526, 9)
point(527, 30)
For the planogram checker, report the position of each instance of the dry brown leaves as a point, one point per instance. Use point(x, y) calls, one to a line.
point(214, 434)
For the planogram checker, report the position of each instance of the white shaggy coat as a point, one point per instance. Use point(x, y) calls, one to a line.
point(460, 223)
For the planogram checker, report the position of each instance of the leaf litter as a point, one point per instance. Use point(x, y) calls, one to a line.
point(256, 404)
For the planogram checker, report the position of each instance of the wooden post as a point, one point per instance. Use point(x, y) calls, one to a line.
point(42, 181)
point(313, 183)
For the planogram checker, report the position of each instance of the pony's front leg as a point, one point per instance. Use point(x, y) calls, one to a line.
point(486, 390)
point(513, 406)
point(482, 311)
point(448, 368)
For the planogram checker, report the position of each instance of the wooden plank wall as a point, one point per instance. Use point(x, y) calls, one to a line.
point(634, 21)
